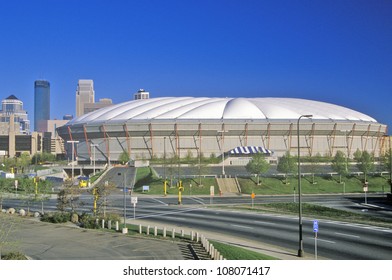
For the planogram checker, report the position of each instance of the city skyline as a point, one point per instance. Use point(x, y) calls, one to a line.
point(336, 52)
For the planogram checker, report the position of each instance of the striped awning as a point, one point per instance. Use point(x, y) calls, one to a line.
point(248, 150)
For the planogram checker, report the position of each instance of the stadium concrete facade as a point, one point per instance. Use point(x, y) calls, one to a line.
point(186, 125)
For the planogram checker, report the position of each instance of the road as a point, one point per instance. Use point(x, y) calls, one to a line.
point(336, 240)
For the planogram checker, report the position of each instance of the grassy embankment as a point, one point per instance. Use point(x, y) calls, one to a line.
point(268, 186)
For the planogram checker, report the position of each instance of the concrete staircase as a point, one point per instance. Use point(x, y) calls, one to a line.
point(228, 185)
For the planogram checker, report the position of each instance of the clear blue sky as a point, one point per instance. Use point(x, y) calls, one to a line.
point(335, 51)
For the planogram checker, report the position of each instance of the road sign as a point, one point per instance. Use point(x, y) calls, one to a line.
point(134, 200)
point(315, 226)
point(253, 195)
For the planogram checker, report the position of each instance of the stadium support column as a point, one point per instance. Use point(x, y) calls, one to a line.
point(223, 147)
point(312, 139)
point(352, 140)
point(73, 157)
point(128, 139)
point(365, 139)
point(379, 143)
point(199, 154)
point(151, 139)
point(88, 146)
point(177, 140)
point(332, 141)
point(107, 144)
point(200, 150)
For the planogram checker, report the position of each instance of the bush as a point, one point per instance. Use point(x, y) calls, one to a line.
point(14, 256)
point(113, 217)
point(56, 217)
point(88, 221)
point(74, 218)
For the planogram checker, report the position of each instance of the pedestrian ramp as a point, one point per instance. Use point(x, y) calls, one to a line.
point(228, 185)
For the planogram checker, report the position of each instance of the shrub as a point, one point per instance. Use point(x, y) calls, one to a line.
point(14, 256)
point(113, 217)
point(56, 217)
point(88, 221)
point(74, 218)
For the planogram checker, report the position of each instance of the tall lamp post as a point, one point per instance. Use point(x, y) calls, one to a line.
point(301, 243)
point(73, 156)
point(390, 163)
point(125, 229)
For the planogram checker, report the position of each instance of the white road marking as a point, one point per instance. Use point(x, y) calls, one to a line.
point(348, 235)
point(233, 225)
point(198, 200)
point(177, 218)
point(160, 201)
point(264, 223)
point(323, 240)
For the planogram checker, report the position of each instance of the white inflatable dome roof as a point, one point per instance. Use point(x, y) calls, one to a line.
point(199, 108)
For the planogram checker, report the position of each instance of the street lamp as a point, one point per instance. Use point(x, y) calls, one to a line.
point(125, 229)
point(301, 243)
point(390, 163)
point(73, 156)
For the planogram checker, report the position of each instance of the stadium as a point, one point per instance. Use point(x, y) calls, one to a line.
point(233, 127)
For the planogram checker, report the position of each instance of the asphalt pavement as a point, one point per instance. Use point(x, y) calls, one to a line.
point(46, 241)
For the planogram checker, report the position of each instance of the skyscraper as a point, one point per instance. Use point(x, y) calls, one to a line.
point(41, 103)
point(13, 107)
point(84, 94)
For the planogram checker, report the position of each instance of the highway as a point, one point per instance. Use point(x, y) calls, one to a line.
point(336, 240)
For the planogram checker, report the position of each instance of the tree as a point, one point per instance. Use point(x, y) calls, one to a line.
point(258, 165)
point(386, 160)
point(314, 165)
point(339, 164)
point(124, 157)
point(40, 158)
point(101, 193)
point(286, 164)
point(24, 161)
point(68, 197)
point(357, 155)
point(27, 186)
point(365, 164)
point(43, 192)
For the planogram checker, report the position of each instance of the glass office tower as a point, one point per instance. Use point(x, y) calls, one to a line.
point(41, 103)
point(85, 94)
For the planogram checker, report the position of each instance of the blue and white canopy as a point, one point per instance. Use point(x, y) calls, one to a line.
point(249, 150)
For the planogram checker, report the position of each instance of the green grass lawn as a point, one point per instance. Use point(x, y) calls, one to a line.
point(316, 212)
point(238, 253)
point(323, 185)
point(146, 177)
point(268, 186)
